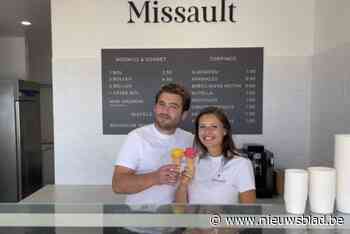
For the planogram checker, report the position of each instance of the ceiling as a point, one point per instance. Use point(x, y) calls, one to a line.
point(37, 36)
point(12, 12)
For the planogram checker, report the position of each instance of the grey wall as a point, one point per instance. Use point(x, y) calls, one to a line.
point(330, 102)
point(13, 63)
point(39, 56)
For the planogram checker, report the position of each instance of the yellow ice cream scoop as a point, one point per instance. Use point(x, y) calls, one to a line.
point(177, 153)
point(176, 156)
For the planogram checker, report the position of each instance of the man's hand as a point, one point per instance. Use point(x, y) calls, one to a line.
point(167, 174)
point(126, 181)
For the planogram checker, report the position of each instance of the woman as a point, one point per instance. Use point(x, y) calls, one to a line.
point(221, 175)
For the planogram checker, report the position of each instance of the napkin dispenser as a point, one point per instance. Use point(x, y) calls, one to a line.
point(263, 165)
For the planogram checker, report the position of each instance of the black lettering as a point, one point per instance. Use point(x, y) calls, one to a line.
point(133, 8)
point(181, 14)
point(194, 15)
point(167, 13)
point(232, 7)
point(223, 9)
point(155, 12)
point(213, 18)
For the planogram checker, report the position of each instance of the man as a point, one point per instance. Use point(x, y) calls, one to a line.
point(143, 169)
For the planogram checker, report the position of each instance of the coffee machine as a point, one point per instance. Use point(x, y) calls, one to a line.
point(263, 165)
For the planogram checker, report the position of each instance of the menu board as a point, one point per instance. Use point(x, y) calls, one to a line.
point(230, 78)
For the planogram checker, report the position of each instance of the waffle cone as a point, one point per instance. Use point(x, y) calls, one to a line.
point(176, 161)
point(190, 164)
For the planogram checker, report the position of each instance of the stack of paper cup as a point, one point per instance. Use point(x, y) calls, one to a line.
point(322, 189)
point(295, 190)
point(341, 163)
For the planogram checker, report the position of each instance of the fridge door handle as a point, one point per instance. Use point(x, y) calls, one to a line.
point(19, 151)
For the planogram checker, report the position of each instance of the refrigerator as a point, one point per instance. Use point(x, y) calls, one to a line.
point(20, 136)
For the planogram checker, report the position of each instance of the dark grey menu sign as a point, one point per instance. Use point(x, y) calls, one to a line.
point(230, 78)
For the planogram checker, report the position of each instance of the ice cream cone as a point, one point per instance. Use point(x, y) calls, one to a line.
point(176, 156)
point(190, 154)
point(190, 163)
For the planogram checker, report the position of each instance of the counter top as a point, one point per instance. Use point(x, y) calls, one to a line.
point(96, 209)
point(102, 218)
point(93, 194)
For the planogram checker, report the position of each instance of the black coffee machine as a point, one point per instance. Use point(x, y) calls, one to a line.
point(263, 165)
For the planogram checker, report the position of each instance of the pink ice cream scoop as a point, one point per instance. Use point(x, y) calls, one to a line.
point(190, 153)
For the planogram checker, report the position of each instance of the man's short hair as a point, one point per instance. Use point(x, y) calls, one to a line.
point(179, 90)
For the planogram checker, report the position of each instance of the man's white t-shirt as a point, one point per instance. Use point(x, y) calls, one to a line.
point(219, 182)
point(146, 150)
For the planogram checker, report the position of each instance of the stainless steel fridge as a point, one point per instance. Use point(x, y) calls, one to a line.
point(20, 136)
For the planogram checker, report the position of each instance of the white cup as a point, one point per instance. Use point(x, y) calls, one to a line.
point(341, 164)
point(295, 190)
point(322, 189)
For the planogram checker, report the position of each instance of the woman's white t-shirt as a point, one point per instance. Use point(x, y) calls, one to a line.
point(219, 181)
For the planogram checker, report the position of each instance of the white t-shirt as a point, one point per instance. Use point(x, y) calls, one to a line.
point(216, 182)
point(145, 150)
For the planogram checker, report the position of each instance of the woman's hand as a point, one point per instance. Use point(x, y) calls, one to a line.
point(187, 176)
